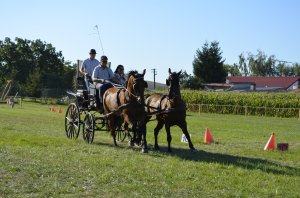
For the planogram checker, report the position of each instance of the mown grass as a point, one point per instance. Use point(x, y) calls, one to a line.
point(37, 160)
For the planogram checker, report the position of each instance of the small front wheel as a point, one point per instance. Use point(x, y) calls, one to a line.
point(88, 128)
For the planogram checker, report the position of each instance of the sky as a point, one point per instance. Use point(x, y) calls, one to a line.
point(156, 34)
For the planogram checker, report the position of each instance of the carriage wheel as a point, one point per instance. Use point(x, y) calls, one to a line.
point(88, 129)
point(120, 133)
point(72, 121)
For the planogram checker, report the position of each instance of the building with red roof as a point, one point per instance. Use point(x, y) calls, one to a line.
point(265, 83)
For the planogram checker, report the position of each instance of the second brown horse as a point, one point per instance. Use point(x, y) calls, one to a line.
point(170, 110)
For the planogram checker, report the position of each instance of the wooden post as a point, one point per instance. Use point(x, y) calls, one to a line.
point(199, 109)
point(246, 111)
point(265, 111)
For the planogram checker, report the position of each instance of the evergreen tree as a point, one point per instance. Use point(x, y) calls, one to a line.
point(208, 64)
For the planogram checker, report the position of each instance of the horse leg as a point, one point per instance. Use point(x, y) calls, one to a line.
point(137, 136)
point(158, 127)
point(183, 127)
point(144, 140)
point(130, 140)
point(169, 137)
point(113, 130)
point(127, 122)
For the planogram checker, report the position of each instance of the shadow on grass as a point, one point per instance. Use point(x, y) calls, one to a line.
point(209, 157)
point(122, 145)
point(238, 161)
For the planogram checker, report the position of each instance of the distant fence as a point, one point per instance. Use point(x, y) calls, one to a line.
point(199, 108)
point(43, 100)
point(244, 110)
point(54, 93)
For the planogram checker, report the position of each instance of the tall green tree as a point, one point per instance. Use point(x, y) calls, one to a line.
point(243, 66)
point(257, 65)
point(233, 70)
point(296, 69)
point(32, 65)
point(32, 86)
point(284, 70)
point(190, 82)
point(208, 64)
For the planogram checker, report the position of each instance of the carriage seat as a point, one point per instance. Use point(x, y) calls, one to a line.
point(92, 89)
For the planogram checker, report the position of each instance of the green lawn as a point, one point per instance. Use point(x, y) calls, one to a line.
point(37, 160)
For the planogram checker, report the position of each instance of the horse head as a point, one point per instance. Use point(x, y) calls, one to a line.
point(136, 85)
point(173, 84)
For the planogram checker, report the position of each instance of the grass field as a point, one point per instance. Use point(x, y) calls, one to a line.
point(37, 160)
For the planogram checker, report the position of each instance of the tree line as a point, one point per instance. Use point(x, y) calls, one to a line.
point(35, 65)
point(209, 67)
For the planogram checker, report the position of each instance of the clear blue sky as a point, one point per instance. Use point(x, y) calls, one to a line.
point(157, 33)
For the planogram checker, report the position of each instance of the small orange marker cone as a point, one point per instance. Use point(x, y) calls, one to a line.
point(208, 139)
point(271, 143)
point(59, 110)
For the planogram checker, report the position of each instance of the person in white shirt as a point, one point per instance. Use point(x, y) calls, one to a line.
point(88, 67)
point(102, 76)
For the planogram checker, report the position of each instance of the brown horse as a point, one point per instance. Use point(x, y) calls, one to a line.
point(171, 110)
point(126, 106)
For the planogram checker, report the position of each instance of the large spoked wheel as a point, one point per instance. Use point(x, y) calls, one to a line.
point(88, 129)
point(72, 121)
point(120, 133)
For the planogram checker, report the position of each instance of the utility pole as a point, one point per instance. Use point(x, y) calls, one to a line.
point(154, 71)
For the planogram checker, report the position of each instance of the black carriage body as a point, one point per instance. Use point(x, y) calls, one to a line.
point(86, 98)
point(81, 114)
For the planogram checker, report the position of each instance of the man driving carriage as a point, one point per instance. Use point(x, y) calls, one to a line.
point(88, 67)
point(102, 76)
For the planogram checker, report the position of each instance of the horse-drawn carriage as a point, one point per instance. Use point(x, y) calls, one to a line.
point(123, 111)
point(126, 112)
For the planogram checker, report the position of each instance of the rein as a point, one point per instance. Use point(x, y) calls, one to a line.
point(129, 92)
point(122, 87)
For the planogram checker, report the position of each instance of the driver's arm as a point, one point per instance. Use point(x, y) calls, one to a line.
point(114, 80)
point(81, 69)
point(99, 80)
point(95, 78)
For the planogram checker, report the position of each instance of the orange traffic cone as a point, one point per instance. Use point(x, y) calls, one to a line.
point(271, 143)
point(59, 110)
point(208, 139)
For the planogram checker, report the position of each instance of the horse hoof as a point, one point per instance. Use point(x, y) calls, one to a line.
point(144, 150)
point(193, 150)
point(131, 143)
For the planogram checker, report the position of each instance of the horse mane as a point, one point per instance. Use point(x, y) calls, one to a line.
point(131, 73)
